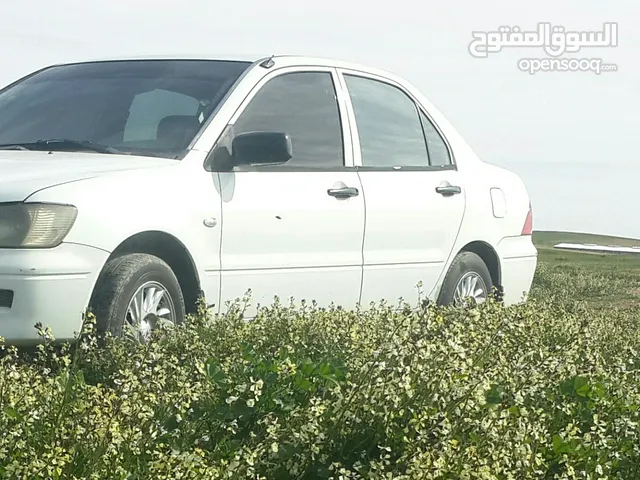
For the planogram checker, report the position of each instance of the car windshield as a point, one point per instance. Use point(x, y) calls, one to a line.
point(143, 107)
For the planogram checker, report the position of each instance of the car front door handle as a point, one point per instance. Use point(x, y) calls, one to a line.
point(344, 192)
point(448, 190)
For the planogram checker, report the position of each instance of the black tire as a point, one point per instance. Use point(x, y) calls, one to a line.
point(463, 263)
point(118, 282)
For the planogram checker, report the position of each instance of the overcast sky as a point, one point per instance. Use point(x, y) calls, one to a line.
point(569, 134)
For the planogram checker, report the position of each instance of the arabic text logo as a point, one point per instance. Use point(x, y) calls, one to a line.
point(554, 40)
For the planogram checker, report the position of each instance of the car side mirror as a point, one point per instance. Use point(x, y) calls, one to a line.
point(260, 148)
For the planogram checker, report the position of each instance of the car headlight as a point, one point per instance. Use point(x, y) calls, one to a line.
point(35, 225)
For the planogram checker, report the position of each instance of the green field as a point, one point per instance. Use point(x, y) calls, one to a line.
point(544, 390)
point(546, 239)
point(602, 280)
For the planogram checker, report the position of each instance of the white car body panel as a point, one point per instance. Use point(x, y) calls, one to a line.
point(49, 286)
point(410, 229)
point(182, 198)
point(24, 173)
point(410, 232)
point(278, 234)
point(306, 243)
point(282, 226)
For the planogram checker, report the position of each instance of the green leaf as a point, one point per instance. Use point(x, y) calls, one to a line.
point(494, 395)
point(214, 372)
point(307, 366)
point(326, 370)
point(80, 377)
point(11, 412)
point(581, 386)
point(566, 387)
point(560, 446)
point(598, 390)
point(583, 390)
point(303, 383)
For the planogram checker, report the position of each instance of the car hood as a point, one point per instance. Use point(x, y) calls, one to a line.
point(23, 173)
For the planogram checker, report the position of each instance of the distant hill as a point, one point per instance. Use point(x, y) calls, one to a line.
point(545, 239)
point(599, 261)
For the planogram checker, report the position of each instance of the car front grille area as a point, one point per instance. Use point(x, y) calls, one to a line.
point(6, 298)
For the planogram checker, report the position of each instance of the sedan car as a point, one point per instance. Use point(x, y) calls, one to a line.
point(136, 186)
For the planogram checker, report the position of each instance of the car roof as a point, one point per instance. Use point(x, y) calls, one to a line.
point(282, 59)
point(180, 56)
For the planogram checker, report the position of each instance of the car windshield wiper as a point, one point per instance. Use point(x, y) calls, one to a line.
point(61, 144)
point(64, 143)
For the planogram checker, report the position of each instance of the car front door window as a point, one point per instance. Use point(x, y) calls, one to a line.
point(303, 105)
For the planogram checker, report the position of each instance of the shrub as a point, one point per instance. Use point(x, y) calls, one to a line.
point(547, 389)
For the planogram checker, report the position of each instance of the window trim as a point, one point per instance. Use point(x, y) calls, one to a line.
point(355, 140)
point(207, 123)
point(345, 125)
point(440, 134)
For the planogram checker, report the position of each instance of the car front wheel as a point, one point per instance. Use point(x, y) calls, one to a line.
point(134, 293)
point(468, 280)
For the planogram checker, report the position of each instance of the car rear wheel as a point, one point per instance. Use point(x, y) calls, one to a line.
point(468, 280)
point(134, 294)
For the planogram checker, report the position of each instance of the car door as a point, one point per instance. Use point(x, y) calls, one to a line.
point(415, 200)
point(294, 230)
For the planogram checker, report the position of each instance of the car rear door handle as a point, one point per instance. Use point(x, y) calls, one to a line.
point(344, 192)
point(448, 190)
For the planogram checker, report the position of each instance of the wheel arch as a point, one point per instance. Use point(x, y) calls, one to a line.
point(490, 258)
point(170, 249)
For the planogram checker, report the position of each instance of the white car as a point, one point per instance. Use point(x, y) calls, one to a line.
point(133, 186)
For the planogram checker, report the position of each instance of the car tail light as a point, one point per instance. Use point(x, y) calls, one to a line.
point(527, 229)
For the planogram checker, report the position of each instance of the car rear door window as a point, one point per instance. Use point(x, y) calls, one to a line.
point(438, 152)
point(388, 122)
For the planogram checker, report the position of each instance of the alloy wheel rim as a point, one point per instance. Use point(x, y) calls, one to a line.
point(149, 305)
point(470, 287)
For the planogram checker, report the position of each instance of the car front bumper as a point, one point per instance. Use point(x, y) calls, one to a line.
point(49, 286)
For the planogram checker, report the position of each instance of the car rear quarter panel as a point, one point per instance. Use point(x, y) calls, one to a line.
point(502, 234)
